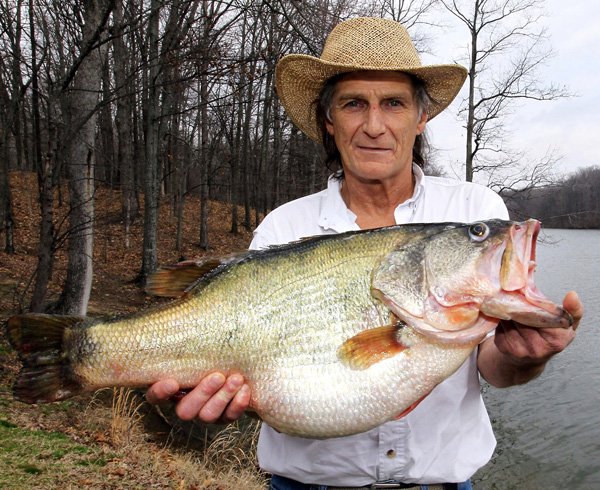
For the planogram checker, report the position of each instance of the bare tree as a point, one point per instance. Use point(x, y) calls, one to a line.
point(79, 106)
point(408, 12)
point(572, 201)
point(12, 91)
point(507, 46)
point(124, 118)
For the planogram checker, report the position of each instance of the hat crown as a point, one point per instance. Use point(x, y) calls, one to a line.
point(371, 43)
point(364, 43)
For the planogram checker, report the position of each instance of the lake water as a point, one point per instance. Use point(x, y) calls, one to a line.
point(548, 430)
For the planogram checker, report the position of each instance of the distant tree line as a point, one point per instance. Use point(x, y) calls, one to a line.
point(572, 202)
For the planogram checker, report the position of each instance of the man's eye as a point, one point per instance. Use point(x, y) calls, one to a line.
point(395, 103)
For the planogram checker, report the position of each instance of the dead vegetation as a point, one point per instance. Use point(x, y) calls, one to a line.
point(113, 439)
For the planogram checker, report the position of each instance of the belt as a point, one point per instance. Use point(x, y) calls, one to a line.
point(290, 484)
point(390, 486)
point(377, 486)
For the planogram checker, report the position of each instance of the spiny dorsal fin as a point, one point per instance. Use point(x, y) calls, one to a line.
point(175, 280)
point(371, 346)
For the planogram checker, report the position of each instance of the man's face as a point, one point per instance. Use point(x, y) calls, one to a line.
point(374, 120)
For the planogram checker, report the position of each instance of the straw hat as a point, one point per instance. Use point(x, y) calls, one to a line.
point(364, 43)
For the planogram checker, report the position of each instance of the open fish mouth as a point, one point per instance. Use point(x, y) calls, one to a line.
point(519, 299)
point(501, 288)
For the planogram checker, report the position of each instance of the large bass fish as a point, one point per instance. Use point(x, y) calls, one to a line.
point(335, 334)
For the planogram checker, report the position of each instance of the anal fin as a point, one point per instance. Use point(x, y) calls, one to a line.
point(412, 407)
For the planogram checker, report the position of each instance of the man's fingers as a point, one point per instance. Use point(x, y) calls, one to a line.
point(192, 403)
point(161, 391)
point(573, 305)
point(238, 405)
point(217, 406)
point(209, 400)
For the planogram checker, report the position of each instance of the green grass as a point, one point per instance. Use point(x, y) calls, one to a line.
point(44, 459)
point(83, 443)
point(33, 458)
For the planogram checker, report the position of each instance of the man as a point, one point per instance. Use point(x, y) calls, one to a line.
point(373, 100)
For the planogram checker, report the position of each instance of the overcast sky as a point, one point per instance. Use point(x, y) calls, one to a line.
point(569, 126)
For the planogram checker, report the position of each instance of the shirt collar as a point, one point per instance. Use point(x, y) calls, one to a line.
point(337, 217)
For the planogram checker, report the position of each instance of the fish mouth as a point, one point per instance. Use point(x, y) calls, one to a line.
point(519, 299)
point(459, 316)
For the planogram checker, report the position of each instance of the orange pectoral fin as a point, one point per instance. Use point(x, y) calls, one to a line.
point(412, 407)
point(371, 346)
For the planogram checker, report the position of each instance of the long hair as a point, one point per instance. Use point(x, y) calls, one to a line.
point(333, 159)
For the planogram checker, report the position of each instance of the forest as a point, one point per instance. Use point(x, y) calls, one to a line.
point(161, 100)
point(573, 201)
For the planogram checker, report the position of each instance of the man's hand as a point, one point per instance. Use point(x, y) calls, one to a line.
point(518, 353)
point(216, 399)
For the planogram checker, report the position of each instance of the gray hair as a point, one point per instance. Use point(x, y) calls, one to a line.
point(328, 91)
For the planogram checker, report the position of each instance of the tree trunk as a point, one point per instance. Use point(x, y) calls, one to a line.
point(45, 254)
point(79, 109)
point(151, 183)
point(471, 107)
point(123, 123)
point(204, 161)
point(6, 212)
point(44, 170)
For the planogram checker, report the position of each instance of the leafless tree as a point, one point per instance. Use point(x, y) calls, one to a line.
point(507, 46)
point(79, 98)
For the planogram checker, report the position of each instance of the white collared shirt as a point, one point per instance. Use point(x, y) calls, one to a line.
point(448, 437)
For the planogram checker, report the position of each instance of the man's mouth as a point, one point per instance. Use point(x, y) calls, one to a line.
point(373, 148)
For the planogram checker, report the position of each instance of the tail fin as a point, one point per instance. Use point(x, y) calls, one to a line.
point(46, 374)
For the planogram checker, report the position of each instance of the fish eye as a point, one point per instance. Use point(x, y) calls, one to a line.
point(479, 232)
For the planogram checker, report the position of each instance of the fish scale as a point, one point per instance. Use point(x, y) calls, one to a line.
point(330, 333)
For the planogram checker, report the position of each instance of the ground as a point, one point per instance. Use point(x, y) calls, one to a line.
point(112, 439)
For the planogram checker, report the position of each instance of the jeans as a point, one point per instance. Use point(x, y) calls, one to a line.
point(283, 483)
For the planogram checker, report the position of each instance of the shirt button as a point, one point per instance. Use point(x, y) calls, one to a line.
point(391, 454)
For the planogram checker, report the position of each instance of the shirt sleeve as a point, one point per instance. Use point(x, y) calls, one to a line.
point(265, 234)
point(497, 207)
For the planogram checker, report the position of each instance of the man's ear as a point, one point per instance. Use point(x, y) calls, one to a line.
point(422, 122)
point(329, 126)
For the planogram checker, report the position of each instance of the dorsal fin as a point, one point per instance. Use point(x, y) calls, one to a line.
point(175, 280)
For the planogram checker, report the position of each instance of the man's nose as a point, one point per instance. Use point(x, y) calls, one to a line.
point(374, 125)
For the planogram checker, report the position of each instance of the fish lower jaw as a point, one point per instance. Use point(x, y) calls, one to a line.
point(533, 312)
point(474, 333)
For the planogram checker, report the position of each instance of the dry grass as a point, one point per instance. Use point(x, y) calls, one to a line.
point(102, 442)
point(125, 418)
point(112, 439)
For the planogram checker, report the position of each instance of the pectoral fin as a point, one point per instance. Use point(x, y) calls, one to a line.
point(371, 346)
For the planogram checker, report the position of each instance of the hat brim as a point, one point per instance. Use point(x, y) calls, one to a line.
point(299, 79)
